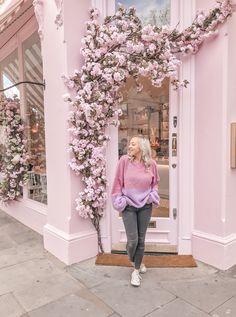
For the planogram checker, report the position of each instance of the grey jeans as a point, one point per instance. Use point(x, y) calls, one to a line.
point(136, 221)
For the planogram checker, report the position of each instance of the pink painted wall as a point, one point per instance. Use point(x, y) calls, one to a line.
point(214, 238)
point(78, 12)
point(208, 136)
point(231, 117)
point(66, 234)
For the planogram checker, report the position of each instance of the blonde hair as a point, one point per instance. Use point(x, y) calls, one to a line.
point(145, 148)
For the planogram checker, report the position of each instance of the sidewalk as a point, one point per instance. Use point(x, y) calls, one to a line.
point(33, 283)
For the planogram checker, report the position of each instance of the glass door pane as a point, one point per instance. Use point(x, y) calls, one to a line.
point(155, 12)
point(147, 113)
point(9, 75)
point(33, 71)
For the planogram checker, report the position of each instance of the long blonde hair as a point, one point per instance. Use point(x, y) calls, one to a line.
point(145, 148)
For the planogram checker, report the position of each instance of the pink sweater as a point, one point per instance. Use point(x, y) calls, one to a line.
point(135, 185)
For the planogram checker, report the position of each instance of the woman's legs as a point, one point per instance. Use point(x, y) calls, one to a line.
point(129, 216)
point(136, 221)
point(143, 219)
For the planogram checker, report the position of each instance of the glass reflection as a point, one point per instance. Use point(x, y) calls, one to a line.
point(147, 113)
point(33, 71)
point(155, 12)
point(9, 75)
point(9, 70)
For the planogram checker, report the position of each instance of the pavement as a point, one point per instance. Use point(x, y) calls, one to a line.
point(33, 283)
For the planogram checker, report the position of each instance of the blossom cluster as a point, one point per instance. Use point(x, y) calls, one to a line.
point(14, 161)
point(113, 51)
point(202, 28)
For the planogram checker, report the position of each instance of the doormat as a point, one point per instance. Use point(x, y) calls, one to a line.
point(150, 261)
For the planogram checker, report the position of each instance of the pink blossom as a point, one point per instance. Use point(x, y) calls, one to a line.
point(117, 76)
point(14, 166)
point(152, 47)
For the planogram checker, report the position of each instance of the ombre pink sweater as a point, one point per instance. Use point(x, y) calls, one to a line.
point(134, 184)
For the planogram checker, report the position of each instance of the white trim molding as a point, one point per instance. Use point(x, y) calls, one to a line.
point(59, 17)
point(186, 139)
point(39, 13)
point(105, 7)
point(214, 250)
point(217, 239)
point(102, 6)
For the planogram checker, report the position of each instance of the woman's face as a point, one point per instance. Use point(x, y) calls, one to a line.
point(134, 149)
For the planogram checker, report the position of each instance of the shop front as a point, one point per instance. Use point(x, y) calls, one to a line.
point(189, 132)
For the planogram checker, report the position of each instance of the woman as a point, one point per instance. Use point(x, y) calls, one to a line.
point(133, 193)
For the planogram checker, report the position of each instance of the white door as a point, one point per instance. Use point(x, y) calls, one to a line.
point(153, 113)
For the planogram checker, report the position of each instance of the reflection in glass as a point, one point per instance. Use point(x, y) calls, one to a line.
point(155, 12)
point(33, 71)
point(147, 113)
point(9, 74)
point(2, 149)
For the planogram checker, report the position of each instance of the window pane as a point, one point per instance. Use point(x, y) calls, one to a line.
point(9, 75)
point(9, 70)
point(155, 12)
point(2, 149)
point(33, 71)
point(147, 113)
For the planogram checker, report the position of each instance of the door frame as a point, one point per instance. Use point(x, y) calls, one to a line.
point(182, 14)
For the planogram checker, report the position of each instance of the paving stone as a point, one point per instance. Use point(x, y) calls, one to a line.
point(21, 253)
point(228, 309)
point(177, 308)
point(13, 228)
point(6, 242)
point(9, 306)
point(128, 301)
point(69, 306)
point(89, 296)
point(231, 273)
point(54, 260)
point(4, 220)
point(22, 275)
point(175, 274)
point(26, 236)
point(205, 293)
point(47, 290)
point(88, 268)
point(94, 275)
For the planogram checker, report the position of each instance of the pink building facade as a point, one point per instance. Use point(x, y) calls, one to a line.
point(42, 40)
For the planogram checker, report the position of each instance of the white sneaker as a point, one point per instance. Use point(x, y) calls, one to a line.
point(143, 268)
point(135, 278)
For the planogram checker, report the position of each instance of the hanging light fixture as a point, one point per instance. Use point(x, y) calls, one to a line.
point(35, 128)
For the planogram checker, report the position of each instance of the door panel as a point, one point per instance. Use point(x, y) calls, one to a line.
point(148, 113)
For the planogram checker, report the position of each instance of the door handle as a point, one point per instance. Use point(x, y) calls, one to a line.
point(174, 144)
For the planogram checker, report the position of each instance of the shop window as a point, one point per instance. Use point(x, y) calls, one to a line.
point(155, 12)
point(33, 72)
